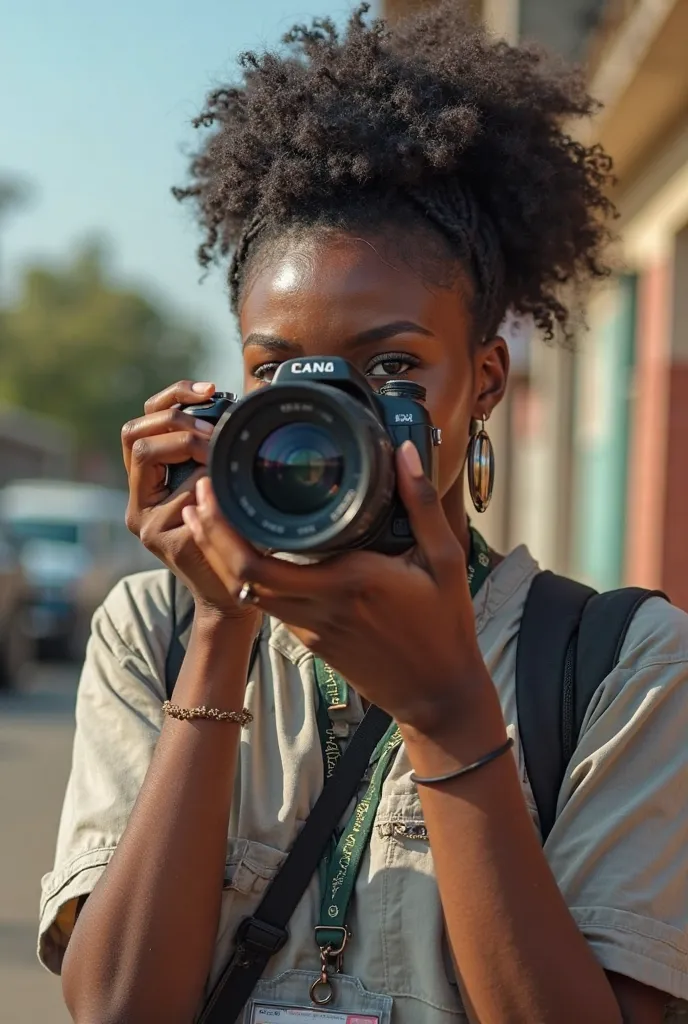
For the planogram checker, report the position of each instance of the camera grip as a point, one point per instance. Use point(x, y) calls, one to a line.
point(178, 473)
point(210, 412)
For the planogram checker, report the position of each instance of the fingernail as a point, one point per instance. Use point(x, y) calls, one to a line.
point(202, 387)
point(204, 426)
point(190, 517)
point(202, 490)
point(409, 454)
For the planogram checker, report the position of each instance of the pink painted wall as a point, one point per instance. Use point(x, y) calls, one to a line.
point(649, 431)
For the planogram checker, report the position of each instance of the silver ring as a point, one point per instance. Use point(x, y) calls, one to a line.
point(246, 595)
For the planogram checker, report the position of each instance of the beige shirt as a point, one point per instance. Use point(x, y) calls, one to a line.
point(619, 848)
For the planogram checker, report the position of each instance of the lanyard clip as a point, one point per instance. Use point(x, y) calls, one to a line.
point(332, 943)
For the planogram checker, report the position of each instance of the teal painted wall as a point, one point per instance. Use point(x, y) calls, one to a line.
point(603, 385)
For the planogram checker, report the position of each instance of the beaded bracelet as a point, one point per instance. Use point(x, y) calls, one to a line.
point(492, 756)
point(242, 718)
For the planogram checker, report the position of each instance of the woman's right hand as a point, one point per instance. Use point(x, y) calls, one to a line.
point(164, 435)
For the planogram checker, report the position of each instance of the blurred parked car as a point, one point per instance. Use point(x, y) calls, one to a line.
point(16, 648)
point(73, 546)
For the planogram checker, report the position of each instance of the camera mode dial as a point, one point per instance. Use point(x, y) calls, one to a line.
point(403, 389)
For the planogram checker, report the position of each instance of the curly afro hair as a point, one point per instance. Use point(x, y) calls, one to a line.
point(432, 121)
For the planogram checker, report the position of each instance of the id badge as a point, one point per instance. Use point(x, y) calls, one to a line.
point(284, 1000)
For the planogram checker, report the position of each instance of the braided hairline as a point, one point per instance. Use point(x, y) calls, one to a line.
point(454, 212)
point(252, 229)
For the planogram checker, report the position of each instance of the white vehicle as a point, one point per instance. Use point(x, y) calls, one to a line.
point(73, 545)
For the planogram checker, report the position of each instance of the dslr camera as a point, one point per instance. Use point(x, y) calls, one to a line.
point(306, 465)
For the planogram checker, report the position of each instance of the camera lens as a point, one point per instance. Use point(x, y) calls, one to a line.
point(298, 468)
point(303, 467)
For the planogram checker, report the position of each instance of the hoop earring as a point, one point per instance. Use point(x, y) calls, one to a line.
point(481, 468)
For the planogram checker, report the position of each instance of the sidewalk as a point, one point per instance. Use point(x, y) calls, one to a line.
point(35, 750)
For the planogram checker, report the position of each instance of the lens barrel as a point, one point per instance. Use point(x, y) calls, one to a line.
point(303, 467)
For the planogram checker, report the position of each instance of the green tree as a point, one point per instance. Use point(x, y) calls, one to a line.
point(87, 352)
point(14, 193)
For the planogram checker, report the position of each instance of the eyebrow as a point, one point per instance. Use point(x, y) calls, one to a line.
point(273, 343)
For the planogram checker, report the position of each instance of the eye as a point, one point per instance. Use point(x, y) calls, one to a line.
point(391, 364)
point(265, 372)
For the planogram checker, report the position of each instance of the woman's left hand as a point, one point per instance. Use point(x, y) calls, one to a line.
point(400, 630)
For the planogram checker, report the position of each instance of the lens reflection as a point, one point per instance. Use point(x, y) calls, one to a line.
point(298, 468)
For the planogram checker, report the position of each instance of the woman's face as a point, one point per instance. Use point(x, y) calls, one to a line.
point(342, 295)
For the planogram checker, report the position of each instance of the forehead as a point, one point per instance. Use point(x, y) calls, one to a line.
point(334, 284)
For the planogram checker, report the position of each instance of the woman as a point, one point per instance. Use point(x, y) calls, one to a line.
point(387, 198)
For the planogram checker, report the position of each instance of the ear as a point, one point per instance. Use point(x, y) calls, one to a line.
point(491, 374)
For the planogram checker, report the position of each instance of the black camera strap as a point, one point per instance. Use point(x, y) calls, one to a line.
point(259, 937)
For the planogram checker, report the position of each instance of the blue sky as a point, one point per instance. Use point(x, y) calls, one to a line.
point(95, 109)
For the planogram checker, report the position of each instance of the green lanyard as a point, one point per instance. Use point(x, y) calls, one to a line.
point(479, 562)
point(341, 867)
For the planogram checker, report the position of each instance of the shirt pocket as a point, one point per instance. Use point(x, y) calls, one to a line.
point(415, 961)
point(249, 866)
point(249, 869)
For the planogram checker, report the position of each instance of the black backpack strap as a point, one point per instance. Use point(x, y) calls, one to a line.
point(603, 630)
point(259, 937)
point(569, 642)
point(182, 613)
point(545, 657)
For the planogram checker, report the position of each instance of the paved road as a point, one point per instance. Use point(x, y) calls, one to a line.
point(36, 728)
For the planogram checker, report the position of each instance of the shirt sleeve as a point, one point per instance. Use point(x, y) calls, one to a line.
point(619, 847)
point(118, 721)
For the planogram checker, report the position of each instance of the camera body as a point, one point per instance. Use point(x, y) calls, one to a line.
point(307, 464)
point(211, 411)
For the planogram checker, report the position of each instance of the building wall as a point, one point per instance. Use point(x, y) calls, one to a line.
point(648, 435)
point(31, 446)
point(654, 219)
point(563, 25)
point(21, 461)
point(674, 555)
point(604, 382)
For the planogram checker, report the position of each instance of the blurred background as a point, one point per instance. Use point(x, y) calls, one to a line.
point(101, 305)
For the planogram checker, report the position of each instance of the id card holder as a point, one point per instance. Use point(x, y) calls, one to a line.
point(284, 1000)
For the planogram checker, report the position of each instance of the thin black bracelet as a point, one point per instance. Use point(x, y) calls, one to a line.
point(434, 780)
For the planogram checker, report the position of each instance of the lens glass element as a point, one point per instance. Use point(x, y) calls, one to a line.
point(298, 468)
